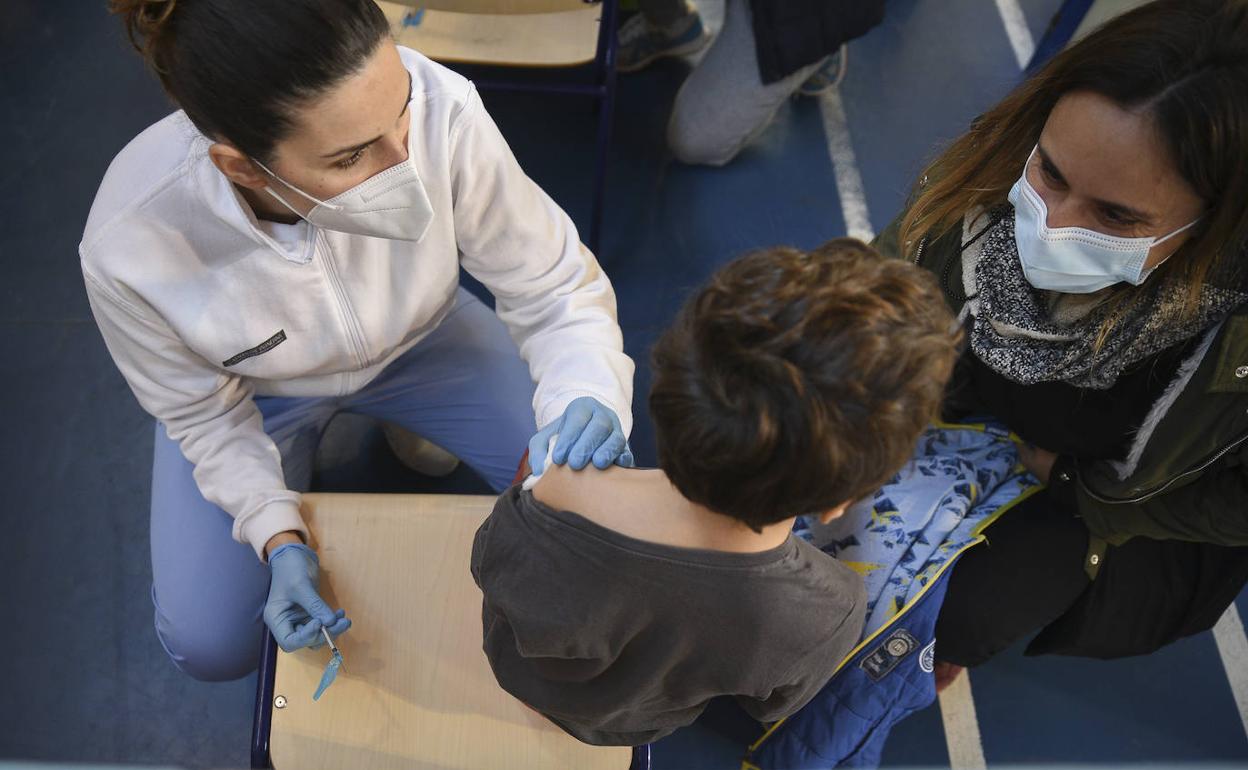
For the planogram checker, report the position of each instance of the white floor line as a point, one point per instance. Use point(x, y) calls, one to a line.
point(1017, 31)
point(957, 711)
point(1233, 647)
point(845, 165)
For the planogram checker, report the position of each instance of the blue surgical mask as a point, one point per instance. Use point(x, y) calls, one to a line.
point(1074, 260)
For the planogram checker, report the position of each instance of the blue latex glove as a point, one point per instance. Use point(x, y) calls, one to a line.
point(294, 611)
point(587, 431)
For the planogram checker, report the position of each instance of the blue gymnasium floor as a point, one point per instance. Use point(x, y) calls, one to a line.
point(85, 677)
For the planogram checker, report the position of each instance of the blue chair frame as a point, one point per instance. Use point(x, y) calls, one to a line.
point(1061, 29)
point(262, 717)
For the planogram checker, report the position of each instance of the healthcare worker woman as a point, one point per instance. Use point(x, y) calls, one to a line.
point(288, 246)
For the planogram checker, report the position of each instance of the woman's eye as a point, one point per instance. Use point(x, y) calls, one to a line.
point(350, 161)
point(1050, 176)
point(1116, 218)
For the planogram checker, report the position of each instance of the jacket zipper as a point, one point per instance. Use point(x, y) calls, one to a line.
point(918, 253)
point(1173, 480)
point(947, 276)
point(348, 315)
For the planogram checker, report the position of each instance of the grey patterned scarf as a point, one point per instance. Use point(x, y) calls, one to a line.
point(1029, 335)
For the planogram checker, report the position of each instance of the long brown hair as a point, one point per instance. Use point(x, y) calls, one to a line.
point(1183, 61)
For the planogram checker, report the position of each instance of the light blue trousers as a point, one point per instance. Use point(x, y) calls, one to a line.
point(464, 387)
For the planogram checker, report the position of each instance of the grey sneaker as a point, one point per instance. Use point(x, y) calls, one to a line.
point(419, 454)
point(642, 43)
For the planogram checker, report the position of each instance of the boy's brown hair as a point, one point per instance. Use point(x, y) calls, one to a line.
point(794, 382)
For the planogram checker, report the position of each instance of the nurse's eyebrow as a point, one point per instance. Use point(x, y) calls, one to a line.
point(357, 147)
point(1126, 212)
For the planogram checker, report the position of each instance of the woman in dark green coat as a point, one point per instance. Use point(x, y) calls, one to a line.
point(1092, 231)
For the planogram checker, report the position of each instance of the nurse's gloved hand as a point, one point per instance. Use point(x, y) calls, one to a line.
point(587, 431)
point(294, 611)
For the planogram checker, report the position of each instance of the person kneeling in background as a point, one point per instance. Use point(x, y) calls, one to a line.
point(618, 603)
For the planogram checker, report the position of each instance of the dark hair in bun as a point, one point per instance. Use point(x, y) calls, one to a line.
point(239, 67)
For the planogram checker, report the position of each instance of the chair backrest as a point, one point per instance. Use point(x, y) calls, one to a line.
point(500, 7)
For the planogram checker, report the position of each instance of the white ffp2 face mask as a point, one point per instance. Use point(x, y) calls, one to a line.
point(392, 204)
point(1074, 260)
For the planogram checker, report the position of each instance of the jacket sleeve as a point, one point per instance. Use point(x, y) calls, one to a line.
point(1212, 509)
point(209, 413)
point(549, 290)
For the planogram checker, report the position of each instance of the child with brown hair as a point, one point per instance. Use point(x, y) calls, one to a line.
point(619, 602)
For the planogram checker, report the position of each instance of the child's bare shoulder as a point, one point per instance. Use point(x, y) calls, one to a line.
point(603, 496)
point(569, 490)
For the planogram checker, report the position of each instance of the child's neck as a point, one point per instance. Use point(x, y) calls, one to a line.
point(644, 505)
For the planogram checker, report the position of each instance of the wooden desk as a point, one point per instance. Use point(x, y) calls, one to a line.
point(417, 691)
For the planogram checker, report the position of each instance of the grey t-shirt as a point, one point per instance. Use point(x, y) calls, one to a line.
point(621, 641)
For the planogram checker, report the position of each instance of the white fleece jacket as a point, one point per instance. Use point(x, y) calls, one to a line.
point(182, 279)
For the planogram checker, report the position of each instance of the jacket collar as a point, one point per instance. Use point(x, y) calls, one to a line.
point(226, 204)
